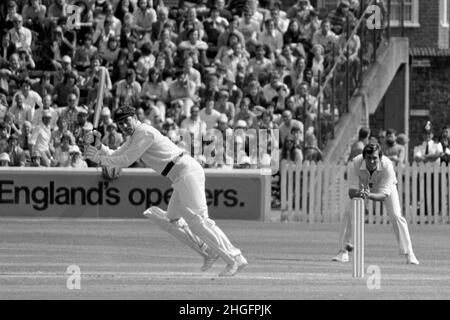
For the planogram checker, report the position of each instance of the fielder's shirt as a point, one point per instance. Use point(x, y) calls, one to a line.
point(380, 181)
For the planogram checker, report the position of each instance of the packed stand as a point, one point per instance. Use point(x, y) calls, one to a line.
point(186, 69)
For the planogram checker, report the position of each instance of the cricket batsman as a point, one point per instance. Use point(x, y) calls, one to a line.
point(372, 177)
point(187, 213)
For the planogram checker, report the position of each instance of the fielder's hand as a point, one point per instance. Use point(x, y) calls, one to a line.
point(111, 173)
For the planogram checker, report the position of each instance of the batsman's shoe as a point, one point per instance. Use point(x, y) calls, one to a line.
point(411, 259)
point(208, 262)
point(349, 247)
point(231, 269)
point(342, 256)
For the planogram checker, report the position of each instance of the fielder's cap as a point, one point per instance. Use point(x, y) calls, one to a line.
point(66, 59)
point(46, 114)
point(5, 157)
point(124, 112)
point(105, 111)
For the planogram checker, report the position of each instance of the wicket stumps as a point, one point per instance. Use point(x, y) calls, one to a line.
point(358, 238)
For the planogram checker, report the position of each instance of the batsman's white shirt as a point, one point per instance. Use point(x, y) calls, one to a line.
point(147, 144)
point(381, 181)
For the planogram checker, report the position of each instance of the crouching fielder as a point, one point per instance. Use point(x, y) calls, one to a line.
point(187, 213)
point(372, 176)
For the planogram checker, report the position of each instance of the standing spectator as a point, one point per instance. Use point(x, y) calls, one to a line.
point(429, 150)
point(358, 147)
point(394, 151)
point(47, 104)
point(445, 142)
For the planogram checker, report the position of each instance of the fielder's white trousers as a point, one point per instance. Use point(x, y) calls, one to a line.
point(188, 201)
point(399, 224)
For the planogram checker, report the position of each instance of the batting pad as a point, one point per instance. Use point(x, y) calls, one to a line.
point(179, 229)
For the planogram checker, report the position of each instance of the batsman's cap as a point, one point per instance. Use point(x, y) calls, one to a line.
point(46, 114)
point(105, 111)
point(124, 112)
point(74, 149)
point(5, 157)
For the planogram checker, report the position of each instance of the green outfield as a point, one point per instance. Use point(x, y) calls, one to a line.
point(133, 259)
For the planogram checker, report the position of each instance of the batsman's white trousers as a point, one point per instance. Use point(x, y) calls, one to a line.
point(392, 206)
point(188, 201)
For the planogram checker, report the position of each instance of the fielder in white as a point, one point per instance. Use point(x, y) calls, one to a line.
point(187, 213)
point(372, 176)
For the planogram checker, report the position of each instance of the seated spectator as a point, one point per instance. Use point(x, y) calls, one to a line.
point(156, 90)
point(300, 10)
point(249, 27)
point(165, 45)
point(246, 115)
point(192, 73)
point(145, 62)
point(11, 75)
point(3, 107)
point(62, 158)
point(307, 110)
point(325, 37)
point(271, 37)
point(36, 159)
point(40, 139)
point(287, 125)
point(157, 26)
point(260, 66)
point(82, 126)
point(70, 112)
point(214, 25)
point(236, 61)
point(20, 36)
point(224, 38)
point(209, 115)
point(194, 47)
point(31, 97)
point(274, 87)
point(25, 136)
point(194, 125)
point(256, 95)
point(22, 112)
point(291, 152)
point(4, 159)
point(112, 139)
point(18, 158)
point(311, 152)
point(224, 106)
point(183, 92)
point(65, 89)
point(110, 52)
point(338, 17)
point(128, 91)
point(44, 86)
point(281, 24)
point(47, 104)
point(76, 158)
point(191, 23)
point(84, 54)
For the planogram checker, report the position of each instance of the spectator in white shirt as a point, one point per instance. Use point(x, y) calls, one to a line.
point(20, 36)
point(194, 125)
point(40, 139)
point(325, 37)
point(209, 115)
point(47, 104)
point(429, 150)
point(22, 112)
point(31, 97)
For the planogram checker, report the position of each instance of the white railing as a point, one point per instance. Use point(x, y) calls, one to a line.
point(318, 193)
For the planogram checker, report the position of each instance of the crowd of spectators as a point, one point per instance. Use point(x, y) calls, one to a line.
point(186, 68)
